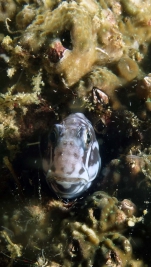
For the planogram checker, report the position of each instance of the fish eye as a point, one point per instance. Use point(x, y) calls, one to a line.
point(53, 136)
point(85, 135)
point(88, 141)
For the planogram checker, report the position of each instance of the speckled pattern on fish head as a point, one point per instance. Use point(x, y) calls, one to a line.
point(73, 159)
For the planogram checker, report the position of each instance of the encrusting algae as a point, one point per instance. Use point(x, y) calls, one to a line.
point(59, 57)
point(69, 45)
point(90, 233)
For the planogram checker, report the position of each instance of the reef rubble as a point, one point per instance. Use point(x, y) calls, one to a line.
point(69, 48)
point(89, 233)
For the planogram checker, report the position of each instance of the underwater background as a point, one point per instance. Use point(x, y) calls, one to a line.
point(57, 58)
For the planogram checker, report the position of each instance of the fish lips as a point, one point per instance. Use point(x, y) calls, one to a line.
point(64, 180)
point(70, 187)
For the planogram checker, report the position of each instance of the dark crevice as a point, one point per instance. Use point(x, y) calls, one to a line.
point(66, 40)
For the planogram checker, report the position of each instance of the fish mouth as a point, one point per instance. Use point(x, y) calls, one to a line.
point(67, 189)
point(65, 180)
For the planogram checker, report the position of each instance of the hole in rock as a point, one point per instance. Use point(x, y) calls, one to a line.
point(66, 40)
point(97, 213)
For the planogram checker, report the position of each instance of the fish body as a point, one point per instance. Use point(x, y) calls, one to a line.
point(71, 160)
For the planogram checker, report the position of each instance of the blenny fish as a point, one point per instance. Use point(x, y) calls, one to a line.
point(71, 159)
